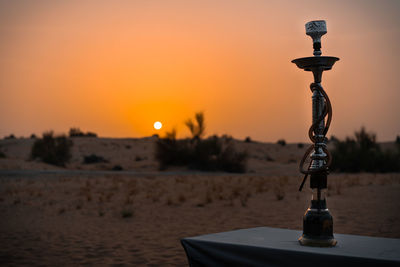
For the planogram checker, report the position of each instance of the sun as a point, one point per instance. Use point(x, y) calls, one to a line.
point(157, 125)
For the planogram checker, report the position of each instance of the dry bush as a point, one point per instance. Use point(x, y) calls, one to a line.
point(279, 193)
point(51, 149)
point(181, 198)
point(212, 154)
point(281, 142)
point(76, 132)
point(170, 201)
point(280, 187)
point(127, 212)
point(93, 159)
point(362, 153)
point(244, 198)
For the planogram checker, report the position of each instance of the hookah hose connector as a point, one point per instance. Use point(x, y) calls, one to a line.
point(326, 112)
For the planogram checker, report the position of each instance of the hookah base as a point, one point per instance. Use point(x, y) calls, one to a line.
point(317, 242)
point(317, 227)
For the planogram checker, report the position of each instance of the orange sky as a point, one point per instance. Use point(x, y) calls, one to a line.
point(116, 67)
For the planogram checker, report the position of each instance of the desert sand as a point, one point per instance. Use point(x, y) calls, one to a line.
point(137, 216)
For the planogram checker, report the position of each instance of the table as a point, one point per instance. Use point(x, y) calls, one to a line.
point(266, 246)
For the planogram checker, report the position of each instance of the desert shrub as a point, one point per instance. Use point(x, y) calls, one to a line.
point(76, 132)
point(232, 161)
point(2, 155)
point(269, 158)
point(173, 152)
point(91, 159)
point(52, 149)
point(281, 142)
point(227, 137)
point(117, 168)
point(362, 153)
point(11, 136)
point(212, 154)
point(248, 140)
point(126, 213)
point(33, 136)
point(333, 138)
point(300, 145)
point(91, 134)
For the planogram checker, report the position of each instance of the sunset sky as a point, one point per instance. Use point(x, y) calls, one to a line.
point(116, 67)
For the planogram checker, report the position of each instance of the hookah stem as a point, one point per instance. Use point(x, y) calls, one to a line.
point(327, 111)
point(318, 196)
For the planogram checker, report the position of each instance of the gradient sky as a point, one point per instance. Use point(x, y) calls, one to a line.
point(116, 67)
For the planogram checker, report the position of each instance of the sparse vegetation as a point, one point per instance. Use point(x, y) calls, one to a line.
point(126, 213)
point(280, 187)
point(361, 153)
point(248, 140)
point(11, 136)
point(52, 149)
point(333, 138)
point(300, 145)
point(76, 132)
point(268, 158)
point(117, 168)
point(212, 154)
point(281, 142)
point(91, 159)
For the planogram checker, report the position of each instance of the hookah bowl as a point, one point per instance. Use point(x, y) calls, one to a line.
point(317, 221)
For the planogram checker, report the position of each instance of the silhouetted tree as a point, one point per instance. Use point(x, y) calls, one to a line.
point(197, 128)
point(171, 134)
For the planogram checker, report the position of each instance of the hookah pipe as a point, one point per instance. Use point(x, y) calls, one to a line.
point(327, 112)
point(317, 221)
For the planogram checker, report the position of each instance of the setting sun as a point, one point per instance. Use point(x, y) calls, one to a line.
point(157, 125)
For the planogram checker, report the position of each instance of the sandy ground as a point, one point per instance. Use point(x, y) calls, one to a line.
point(119, 219)
point(107, 220)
